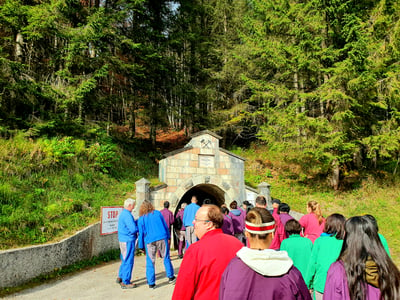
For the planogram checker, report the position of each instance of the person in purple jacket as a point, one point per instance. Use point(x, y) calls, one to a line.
point(363, 270)
point(237, 221)
point(168, 215)
point(180, 232)
point(258, 272)
point(227, 225)
point(169, 220)
point(283, 211)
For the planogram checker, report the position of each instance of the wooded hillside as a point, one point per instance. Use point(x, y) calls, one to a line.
point(316, 80)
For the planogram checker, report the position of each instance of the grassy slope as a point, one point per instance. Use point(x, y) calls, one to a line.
point(371, 197)
point(51, 188)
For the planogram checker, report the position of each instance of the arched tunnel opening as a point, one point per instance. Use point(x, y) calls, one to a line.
point(202, 191)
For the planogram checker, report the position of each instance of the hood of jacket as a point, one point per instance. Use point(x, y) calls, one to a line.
point(371, 272)
point(266, 262)
point(236, 212)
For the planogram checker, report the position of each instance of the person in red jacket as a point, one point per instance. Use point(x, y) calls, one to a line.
point(204, 261)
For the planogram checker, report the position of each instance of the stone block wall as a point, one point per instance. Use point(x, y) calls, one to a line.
point(23, 264)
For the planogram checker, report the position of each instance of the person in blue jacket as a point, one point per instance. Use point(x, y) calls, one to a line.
point(154, 236)
point(188, 218)
point(127, 234)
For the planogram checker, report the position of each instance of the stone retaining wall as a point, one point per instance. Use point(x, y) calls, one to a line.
point(23, 264)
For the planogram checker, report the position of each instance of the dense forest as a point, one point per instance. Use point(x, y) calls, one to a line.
point(318, 80)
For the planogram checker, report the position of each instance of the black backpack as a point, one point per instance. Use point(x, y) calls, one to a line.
point(178, 223)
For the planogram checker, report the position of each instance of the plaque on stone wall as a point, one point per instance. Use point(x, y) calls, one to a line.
point(206, 161)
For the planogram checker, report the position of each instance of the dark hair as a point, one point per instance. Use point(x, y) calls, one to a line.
point(292, 227)
point(247, 203)
point(224, 210)
point(260, 200)
point(284, 207)
point(166, 204)
point(214, 215)
point(335, 225)
point(259, 215)
point(233, 205)
point(276, 200)
point(362, 243)
point(373, 220)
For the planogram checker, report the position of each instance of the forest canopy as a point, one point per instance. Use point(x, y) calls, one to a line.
point(316, 80)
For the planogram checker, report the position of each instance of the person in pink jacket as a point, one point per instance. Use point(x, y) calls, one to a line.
point(313, 222)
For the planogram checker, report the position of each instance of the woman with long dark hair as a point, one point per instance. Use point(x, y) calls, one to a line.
point(364, 270)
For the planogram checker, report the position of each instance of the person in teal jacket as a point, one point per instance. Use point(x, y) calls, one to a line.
point(326, 250)
point(154, 235)
point(298, 247)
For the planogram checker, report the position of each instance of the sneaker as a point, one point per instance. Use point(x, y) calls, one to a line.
point(127, 286)
point(172, 279)
point(118, 280)
point(152, 286)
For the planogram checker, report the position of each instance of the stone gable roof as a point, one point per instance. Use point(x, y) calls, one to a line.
point(206, 132)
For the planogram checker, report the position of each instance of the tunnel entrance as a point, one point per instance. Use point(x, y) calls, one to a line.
point(203, 192)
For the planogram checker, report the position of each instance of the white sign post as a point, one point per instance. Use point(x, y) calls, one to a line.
point(109, 219)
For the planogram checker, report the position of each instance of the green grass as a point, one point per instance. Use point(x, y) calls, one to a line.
point(50, 188)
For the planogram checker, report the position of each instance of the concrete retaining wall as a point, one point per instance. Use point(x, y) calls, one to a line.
point(21, 265)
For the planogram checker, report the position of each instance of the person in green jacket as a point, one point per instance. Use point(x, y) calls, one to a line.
point(326, 250)
point(298, 247)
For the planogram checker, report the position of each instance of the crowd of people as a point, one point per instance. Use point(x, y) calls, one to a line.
point(246, 252)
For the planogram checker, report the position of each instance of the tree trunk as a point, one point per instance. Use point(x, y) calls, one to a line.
point(19, 43)
point(335, 174)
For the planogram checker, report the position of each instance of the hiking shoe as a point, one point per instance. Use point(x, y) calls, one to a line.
point(127, 286)
point(172, 279)
point(118, 280)
point(152, 286)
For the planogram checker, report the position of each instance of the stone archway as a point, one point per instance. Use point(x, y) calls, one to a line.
point(212, 187)
point(203, 191)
